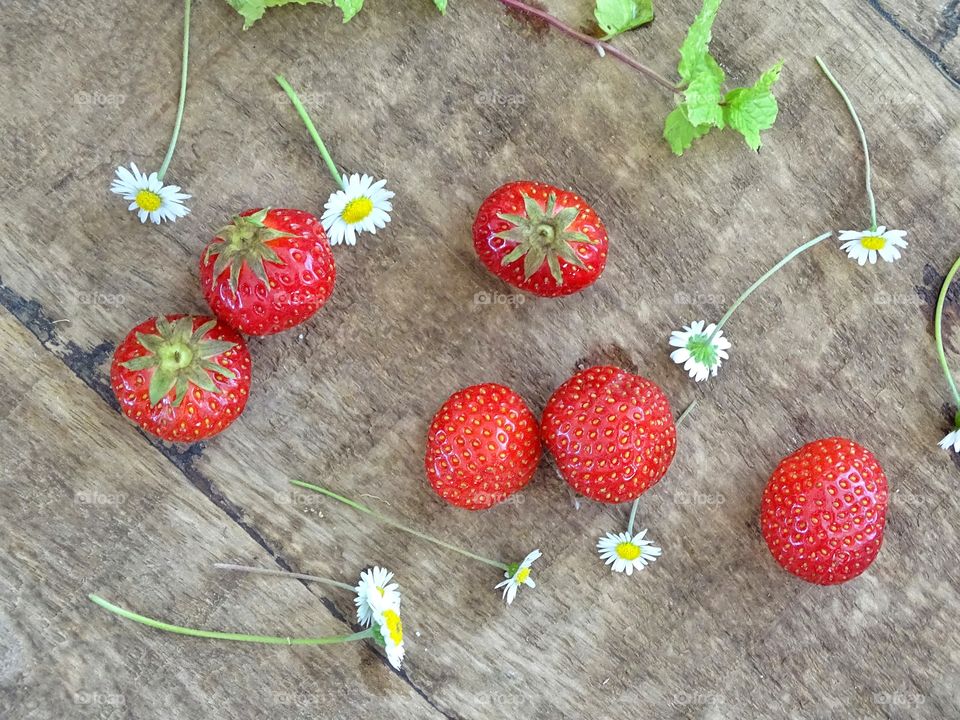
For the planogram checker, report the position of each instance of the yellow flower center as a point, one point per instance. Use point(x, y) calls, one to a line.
point(381, 591)
point(357, 210)
point(874, 242)
point(522, 575)
point(394, 626)
point(628, 551)
point(149, 201)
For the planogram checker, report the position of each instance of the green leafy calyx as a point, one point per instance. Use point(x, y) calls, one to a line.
point(543, 235)
point(179, 357)
point(245, 240)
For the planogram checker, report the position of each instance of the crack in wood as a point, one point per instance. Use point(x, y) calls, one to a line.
point(933, 56)
point(951, 23)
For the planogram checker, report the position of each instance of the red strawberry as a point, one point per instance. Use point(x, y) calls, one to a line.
point(824, 510)
point(611, 433)
point(268, 270)
point(482, 447)
point(183, 378)
point(540, 238)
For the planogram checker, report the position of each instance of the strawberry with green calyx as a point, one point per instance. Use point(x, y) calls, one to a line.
point(540, 238)
point(182, 378)
point(268, 270)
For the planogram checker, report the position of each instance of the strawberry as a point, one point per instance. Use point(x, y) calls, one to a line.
point(182, 378)
point(482, 447)
point(268, 270)
point(824, 510)
point(540, 238)
point(611, 433)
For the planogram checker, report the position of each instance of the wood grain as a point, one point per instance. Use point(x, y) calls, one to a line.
point(448, 108)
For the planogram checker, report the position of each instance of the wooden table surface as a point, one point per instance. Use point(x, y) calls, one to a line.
point(447, 109)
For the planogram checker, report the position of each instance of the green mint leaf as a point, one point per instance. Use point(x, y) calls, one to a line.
point(253, 10)
point(704, 93)
point(697, 44)
point(618, 16)
point(349, 8)
point(441, 6)
point(752, 110)
point(680, 132)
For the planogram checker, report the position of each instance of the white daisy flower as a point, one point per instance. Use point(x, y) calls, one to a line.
point(149, 197)
point(375, 593)
point(626, 553)
point(518, 575)
point(951, 441)
point(363, 206)
point(389, 632)
point(867, 245)
point(700, 356)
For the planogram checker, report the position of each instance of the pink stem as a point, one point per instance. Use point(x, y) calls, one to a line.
point(607, 48)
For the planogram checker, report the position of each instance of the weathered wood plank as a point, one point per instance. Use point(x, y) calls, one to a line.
point(89, 507)
point(447, 109)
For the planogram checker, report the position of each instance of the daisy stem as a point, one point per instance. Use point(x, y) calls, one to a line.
point(317, 140)
point(863, 140)
point(762, 279)
point(237, 637)
point(400, 526)
point(607, 48)
point(184, 63)
point(636, 503)
point(938, 333)
point(284, 573)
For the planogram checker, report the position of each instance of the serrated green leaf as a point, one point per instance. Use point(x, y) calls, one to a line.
point(253, 10)
point(618, 16)
point(704, 93)
point(697, 43)
point(680, 132)
point(349, 8)
point(441, 6)
point(751, 110)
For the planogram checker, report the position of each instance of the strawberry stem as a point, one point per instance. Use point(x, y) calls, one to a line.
point(181, 102)
point(284, 573)
point(636, 503)
point(863, 140)
point(317, 140)
point(604, 48)
point(237, 637)
point(762, 279)
point(938, 335)
point(400, 526)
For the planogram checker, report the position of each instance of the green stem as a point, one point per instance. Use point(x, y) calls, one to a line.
point(636, 503)
point(633, 517)
point(214, 635)
point(938, 336)
point(184, 63)
point(762, 279)
point(317, 140)
point(400, 526)
point(607, 48)
point(284, 573)
point(863, 140)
